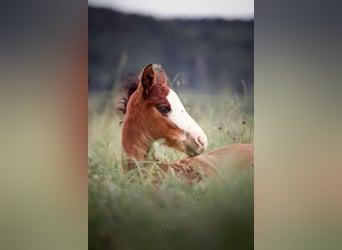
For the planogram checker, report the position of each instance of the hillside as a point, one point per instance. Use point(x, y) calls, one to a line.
point(204, 54)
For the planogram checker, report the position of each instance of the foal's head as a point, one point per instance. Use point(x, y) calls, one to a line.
point(153, 112)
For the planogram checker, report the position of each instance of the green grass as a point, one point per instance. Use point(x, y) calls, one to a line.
point(128, 211)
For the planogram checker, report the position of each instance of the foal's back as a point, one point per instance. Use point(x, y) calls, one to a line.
point(227, 158)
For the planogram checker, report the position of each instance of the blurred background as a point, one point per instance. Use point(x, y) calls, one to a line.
point(202, 45)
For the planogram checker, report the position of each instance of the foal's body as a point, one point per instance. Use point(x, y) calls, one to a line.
point(154, 112)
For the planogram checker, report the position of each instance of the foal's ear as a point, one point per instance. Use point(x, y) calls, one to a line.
point(147, 78)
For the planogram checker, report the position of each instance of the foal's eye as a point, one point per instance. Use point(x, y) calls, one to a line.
point(164, 109)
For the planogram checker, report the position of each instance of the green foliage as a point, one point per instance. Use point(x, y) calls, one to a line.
point(128, 211)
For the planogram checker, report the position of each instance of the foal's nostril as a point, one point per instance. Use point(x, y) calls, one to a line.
point(200, 141)
point(200, 145)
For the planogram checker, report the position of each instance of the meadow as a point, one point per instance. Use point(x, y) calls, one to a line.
point(129, 211)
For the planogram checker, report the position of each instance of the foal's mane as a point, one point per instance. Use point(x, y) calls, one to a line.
point(129, 86)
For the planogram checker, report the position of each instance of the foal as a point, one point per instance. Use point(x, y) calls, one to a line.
point(154, 112)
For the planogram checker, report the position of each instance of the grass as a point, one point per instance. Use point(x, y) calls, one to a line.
point(127, 211)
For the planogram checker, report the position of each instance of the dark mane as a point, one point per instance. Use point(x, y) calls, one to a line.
point(129, 86)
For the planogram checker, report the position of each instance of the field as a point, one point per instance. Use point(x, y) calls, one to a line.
point(128, 211)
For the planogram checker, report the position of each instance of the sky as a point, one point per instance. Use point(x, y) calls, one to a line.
point(227, 9)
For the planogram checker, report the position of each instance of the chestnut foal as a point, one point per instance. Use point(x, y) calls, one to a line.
point(153, 111)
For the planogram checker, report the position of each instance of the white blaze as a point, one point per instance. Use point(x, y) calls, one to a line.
point(183, 120)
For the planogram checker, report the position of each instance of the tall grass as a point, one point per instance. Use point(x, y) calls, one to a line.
point(128, 211)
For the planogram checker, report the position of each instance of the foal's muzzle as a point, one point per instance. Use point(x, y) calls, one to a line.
point(195, 145)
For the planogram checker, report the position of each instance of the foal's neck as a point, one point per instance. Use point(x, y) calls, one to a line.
point(136, 144)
